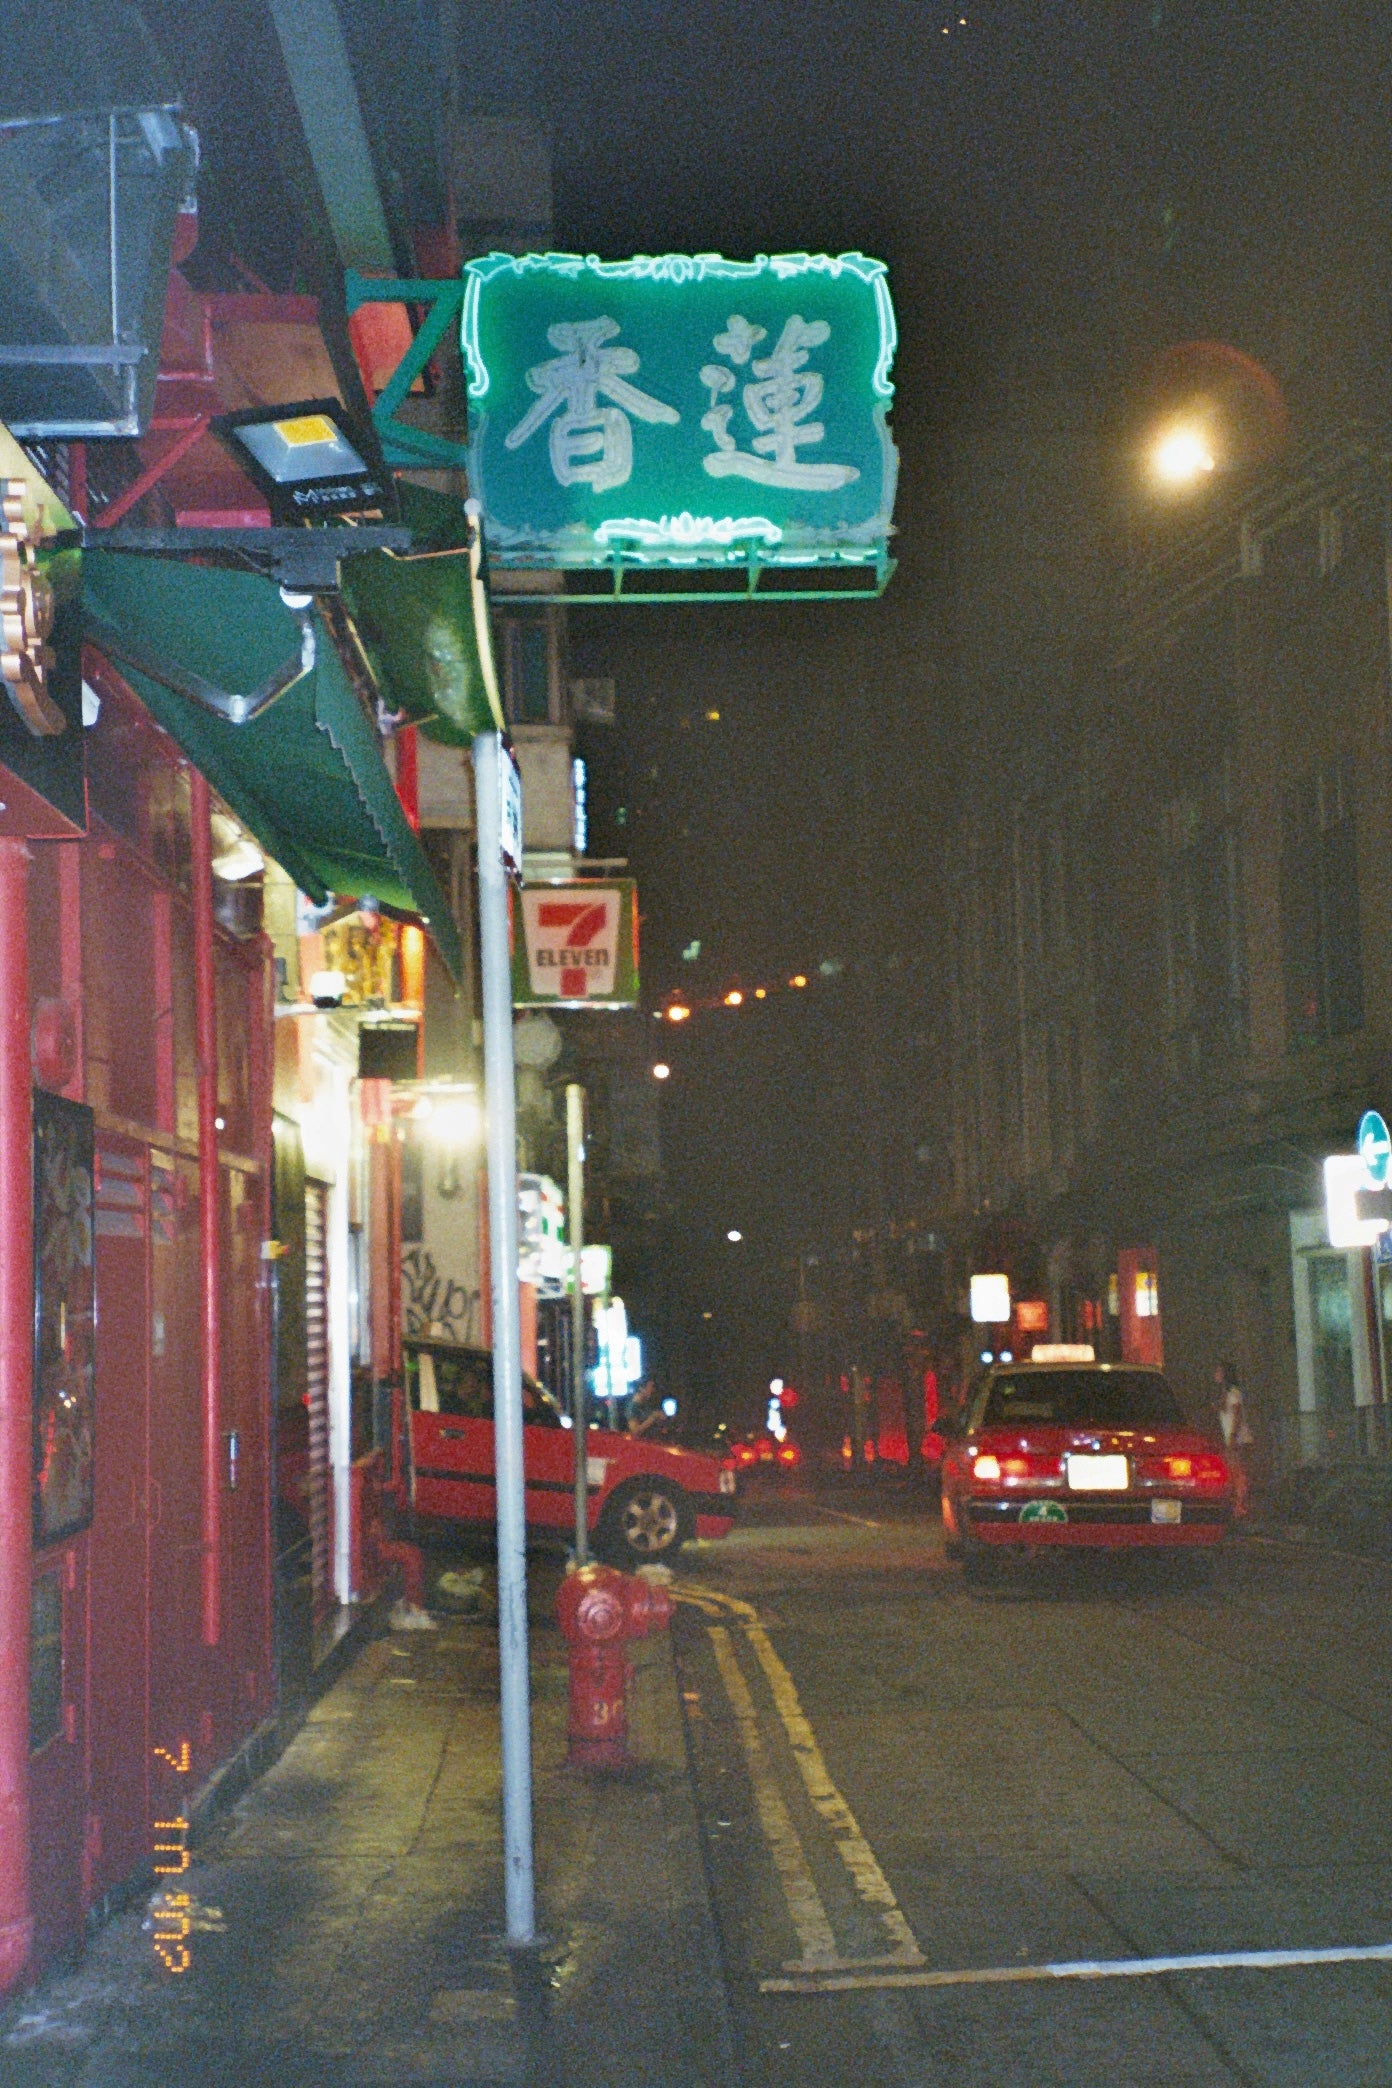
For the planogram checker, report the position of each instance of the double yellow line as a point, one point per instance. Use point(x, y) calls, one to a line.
point(821, 1969)
point(819, 1955)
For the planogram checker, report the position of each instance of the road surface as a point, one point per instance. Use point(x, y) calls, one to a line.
point(900, 1778)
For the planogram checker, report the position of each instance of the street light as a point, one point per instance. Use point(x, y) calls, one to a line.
point(1181, 455)
point(734, 999)
point(661, 1072)
point(734, 1234)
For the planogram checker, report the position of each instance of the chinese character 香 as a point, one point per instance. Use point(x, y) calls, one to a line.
point(589, 444)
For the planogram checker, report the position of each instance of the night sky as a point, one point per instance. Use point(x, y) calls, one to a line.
point(1061, 192)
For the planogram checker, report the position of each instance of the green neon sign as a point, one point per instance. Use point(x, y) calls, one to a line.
point(680, 410)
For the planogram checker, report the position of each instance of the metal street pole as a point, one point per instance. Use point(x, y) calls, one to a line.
point(499, 1077)
point(575, 1193)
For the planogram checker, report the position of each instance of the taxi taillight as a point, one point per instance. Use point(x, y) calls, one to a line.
point(1201, 1468)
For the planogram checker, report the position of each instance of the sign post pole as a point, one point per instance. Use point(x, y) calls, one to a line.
point(492, 771)
point(575, 1199)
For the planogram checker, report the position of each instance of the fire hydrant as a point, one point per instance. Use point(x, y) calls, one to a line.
point(599, 1610)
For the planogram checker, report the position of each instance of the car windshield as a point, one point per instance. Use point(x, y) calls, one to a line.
point(1082, 1399)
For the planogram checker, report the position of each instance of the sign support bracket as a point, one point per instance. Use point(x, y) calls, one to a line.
point(403, 445)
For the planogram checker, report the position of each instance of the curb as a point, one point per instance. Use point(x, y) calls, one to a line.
point(700, 2002)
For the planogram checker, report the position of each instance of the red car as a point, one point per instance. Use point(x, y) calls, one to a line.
point(1081, 1454)
point(646, 1498)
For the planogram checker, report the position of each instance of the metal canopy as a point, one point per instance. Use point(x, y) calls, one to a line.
point(95, 165)
point(304, 771)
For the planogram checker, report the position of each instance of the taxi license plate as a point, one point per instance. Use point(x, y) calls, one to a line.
point(1097, 1474)
point(1166, 1511)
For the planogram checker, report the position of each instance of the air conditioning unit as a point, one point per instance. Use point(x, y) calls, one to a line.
point(95, 167)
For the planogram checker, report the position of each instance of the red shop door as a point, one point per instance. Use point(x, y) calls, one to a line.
point(246, 1651)
point(118, 1553)
point(180, 1697)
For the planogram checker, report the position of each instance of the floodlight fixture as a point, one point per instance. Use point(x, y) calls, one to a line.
point(307, 459)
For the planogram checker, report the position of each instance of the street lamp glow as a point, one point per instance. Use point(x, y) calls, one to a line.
point(661, 1072)
point(734, 999)
point(678, 1013)
point(734, 1234)
point(1181, 456)
point(798, 979)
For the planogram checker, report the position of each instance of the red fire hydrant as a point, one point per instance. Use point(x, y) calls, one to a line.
point(599, 1610)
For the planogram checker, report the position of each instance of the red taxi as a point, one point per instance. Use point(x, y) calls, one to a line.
point(1081, 1454)
point(645, 1499)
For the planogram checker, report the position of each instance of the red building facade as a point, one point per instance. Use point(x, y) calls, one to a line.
point(160, 1596)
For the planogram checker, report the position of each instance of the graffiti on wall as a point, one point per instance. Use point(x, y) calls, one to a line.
point(432, 1303)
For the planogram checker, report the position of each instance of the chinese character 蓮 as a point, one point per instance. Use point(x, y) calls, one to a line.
point(589, 444)
point(778, 401)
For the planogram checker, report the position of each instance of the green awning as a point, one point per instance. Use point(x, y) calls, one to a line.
point(415, 616)
point(306, 774)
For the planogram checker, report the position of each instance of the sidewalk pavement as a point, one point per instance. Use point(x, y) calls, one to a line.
point(348, 1909)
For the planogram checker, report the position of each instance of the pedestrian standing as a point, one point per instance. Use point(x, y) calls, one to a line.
point(645, 1410)
point(1231, 1408)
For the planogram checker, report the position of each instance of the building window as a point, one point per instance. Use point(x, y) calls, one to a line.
point(1206, 969)
point(1319, 908)
point(527, 671)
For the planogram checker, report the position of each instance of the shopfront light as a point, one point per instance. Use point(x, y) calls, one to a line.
point(990, 1299)
point(455, 1123)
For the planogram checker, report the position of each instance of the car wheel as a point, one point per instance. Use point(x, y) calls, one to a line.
point(645, 1524)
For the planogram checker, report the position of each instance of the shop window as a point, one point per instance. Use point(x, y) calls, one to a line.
point(45, 1660)
point(1321, 929)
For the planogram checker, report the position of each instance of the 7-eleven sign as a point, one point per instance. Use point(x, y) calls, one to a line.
point(578, 945)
